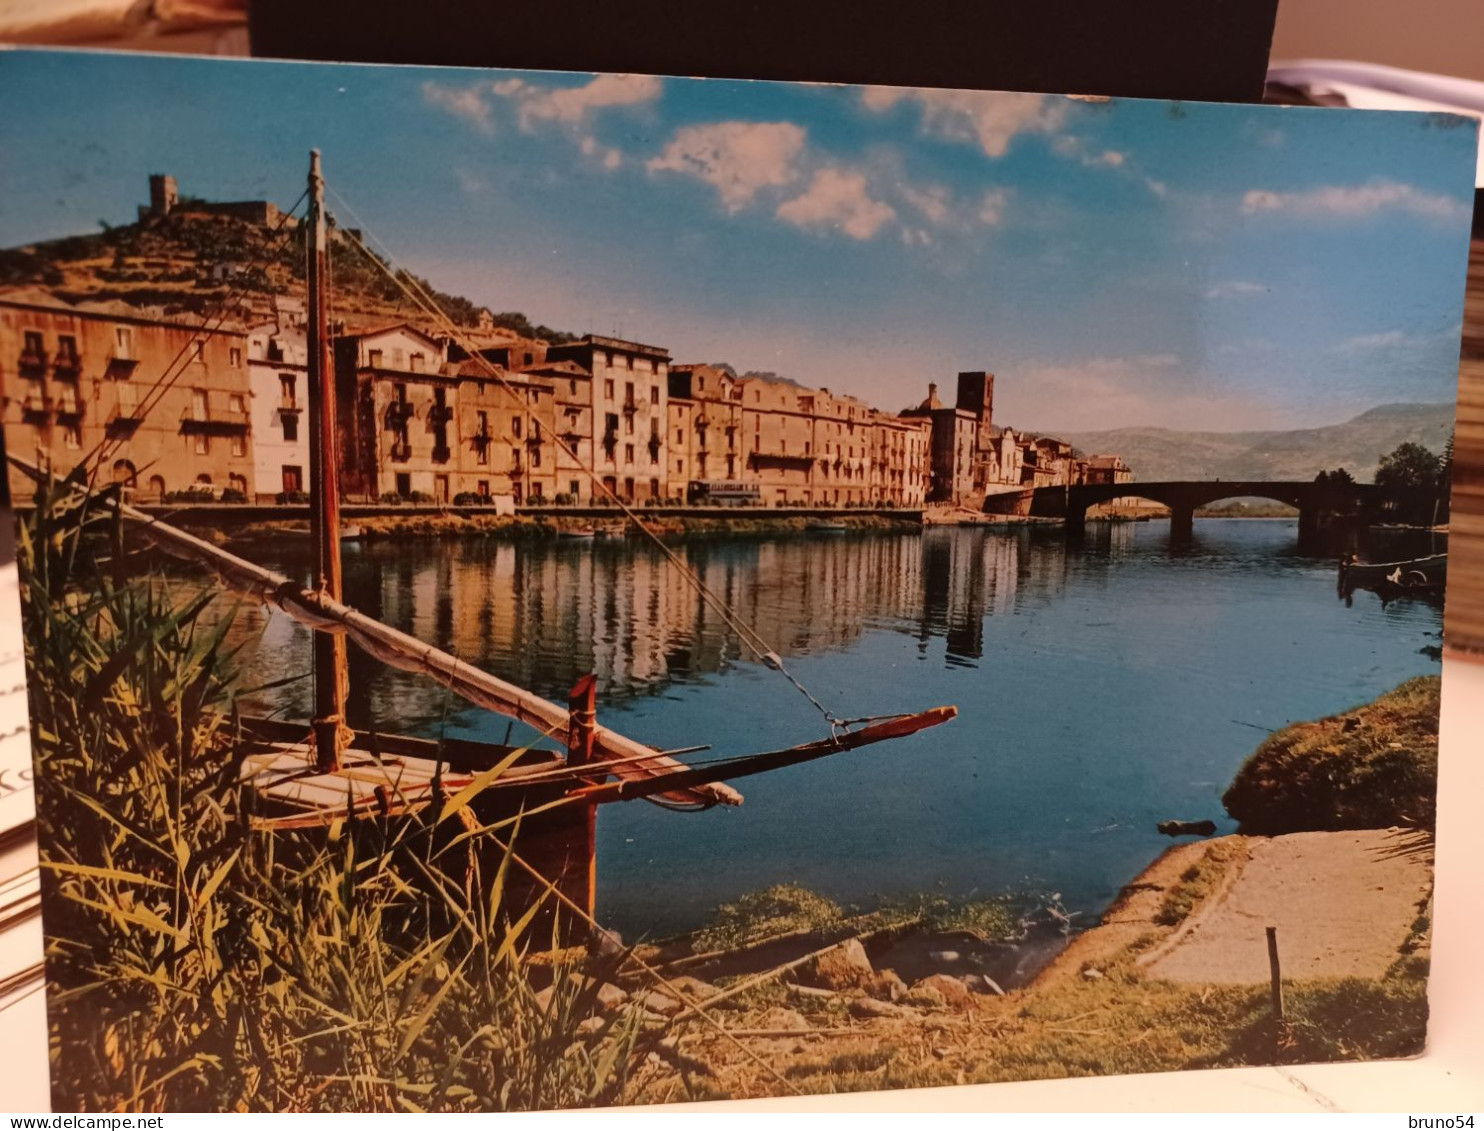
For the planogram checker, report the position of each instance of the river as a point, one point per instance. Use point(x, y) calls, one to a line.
point(1102, 686)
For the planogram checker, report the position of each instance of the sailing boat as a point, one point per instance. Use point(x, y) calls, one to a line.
point(334, 772)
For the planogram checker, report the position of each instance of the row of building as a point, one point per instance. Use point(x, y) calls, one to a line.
point(171, 409)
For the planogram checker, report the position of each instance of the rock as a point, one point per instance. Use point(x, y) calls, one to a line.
point(1091, 974)
point(656, 1002)
point(590, 1025)
point(944, 957)
point(610, 997)
point(868, 1007)
point(781, 1017)
point(543, 998)
point(694, 988)
point(1187, 828)
point(952, 990)
point(925, 997)
point(983, 984)
point(846, 967)
point(887, 986)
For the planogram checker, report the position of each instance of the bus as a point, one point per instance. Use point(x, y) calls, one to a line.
point(710, 493)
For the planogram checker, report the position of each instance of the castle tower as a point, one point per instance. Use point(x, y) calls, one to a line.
point(163, 194)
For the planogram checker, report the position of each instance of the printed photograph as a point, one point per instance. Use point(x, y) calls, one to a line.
point(552, 590)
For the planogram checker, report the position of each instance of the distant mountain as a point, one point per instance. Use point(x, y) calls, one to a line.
point(1357, 445)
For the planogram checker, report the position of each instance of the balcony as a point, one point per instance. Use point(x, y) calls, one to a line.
point(68, 405)
point(67, 364)
point(400, 451)
point(439, 414)
point(398, 413)
point(31, 361)
point(442, 453)
point(36, 408)
point(233, 424)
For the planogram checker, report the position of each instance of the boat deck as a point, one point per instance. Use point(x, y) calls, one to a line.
point(379, 775)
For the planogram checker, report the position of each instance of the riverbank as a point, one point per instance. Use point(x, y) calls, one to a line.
point(1164, 983)
point(1174, 976)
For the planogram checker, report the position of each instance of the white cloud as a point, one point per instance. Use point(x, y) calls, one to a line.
point(933, 201)
point(468, 103)
point(837, 198)
point(1234, 288)
point(738, 159)
point(607, 155)
point(1357, 201)
point(992, 206)
point(1385, 339)
point(990, 120)
point(573, 104)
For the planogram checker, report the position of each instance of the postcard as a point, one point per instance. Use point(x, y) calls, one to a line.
point(550, 590)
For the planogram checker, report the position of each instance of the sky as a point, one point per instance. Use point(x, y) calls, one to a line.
point(1114, 262)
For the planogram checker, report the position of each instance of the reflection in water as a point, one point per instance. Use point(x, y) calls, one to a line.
point(1103, 686)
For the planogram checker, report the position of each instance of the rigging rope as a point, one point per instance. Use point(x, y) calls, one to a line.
point(748, 636)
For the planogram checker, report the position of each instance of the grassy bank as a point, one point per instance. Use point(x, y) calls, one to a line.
point(1371, 767)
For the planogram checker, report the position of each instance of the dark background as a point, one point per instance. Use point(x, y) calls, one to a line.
point(1193, 49)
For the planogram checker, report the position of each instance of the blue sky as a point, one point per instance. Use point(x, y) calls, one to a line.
point(1113, 262)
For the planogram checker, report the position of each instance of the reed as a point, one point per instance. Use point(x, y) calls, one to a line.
point(197, 964)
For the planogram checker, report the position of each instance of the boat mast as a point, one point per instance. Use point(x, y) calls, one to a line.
point(330, 678)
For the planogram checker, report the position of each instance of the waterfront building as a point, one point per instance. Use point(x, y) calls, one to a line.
point(705, 427)
point(278, 376)
point(955, 432)
point(628, 395)
point(75, 378)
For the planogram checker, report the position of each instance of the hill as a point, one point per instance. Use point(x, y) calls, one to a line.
point(189, 262)
point(1356, 445)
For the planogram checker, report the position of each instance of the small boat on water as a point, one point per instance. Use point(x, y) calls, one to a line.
point(825, 526)
point(1416, 572)
point(580, 534)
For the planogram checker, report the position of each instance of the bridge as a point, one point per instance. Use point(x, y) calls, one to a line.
point(1315, 502)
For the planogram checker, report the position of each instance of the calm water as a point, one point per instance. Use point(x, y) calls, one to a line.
point(1102, 687)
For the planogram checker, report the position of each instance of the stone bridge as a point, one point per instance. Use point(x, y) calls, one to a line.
point(1316, 502)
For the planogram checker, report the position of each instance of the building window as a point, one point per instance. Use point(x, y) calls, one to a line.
point(572, 386)
point(535, 457)
point(404, 483)
point(203, 444)
point(72, 436)
point(237, 483)
point(654, 488)
point(608, 388)
point(198, 351)
point(236, 404)
point(373, 359)
point(654, 396)
point(239, 445)
point(123, 338)
point(680, 467)
point(199, 405)
point(628, 453)
point(515, 426)
point(679, 436)
point(290, 429)
point(288, 395)
point(293, 478)
point(35, 346)
point(483, 488)
point(628, 426)
point(234, 356)
point(417, 362)
point(574, 487)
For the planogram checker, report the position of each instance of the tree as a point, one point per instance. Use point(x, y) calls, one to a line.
point(1339, 477)
point(1409, 465)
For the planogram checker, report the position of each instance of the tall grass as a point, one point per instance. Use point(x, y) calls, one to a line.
point(197, 964)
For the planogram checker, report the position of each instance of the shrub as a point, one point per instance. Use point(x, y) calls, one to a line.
point(562, 499)
point(294, 497)
point(419, 497)
point(1373, 767)
point(392, 497)
point(233, 495)
point(472, 499)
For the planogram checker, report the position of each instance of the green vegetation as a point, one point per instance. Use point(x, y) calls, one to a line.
point(1196, 883)
point(1373, 767)
point(778, 910)
point(199, 963)
point(1409, 465)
